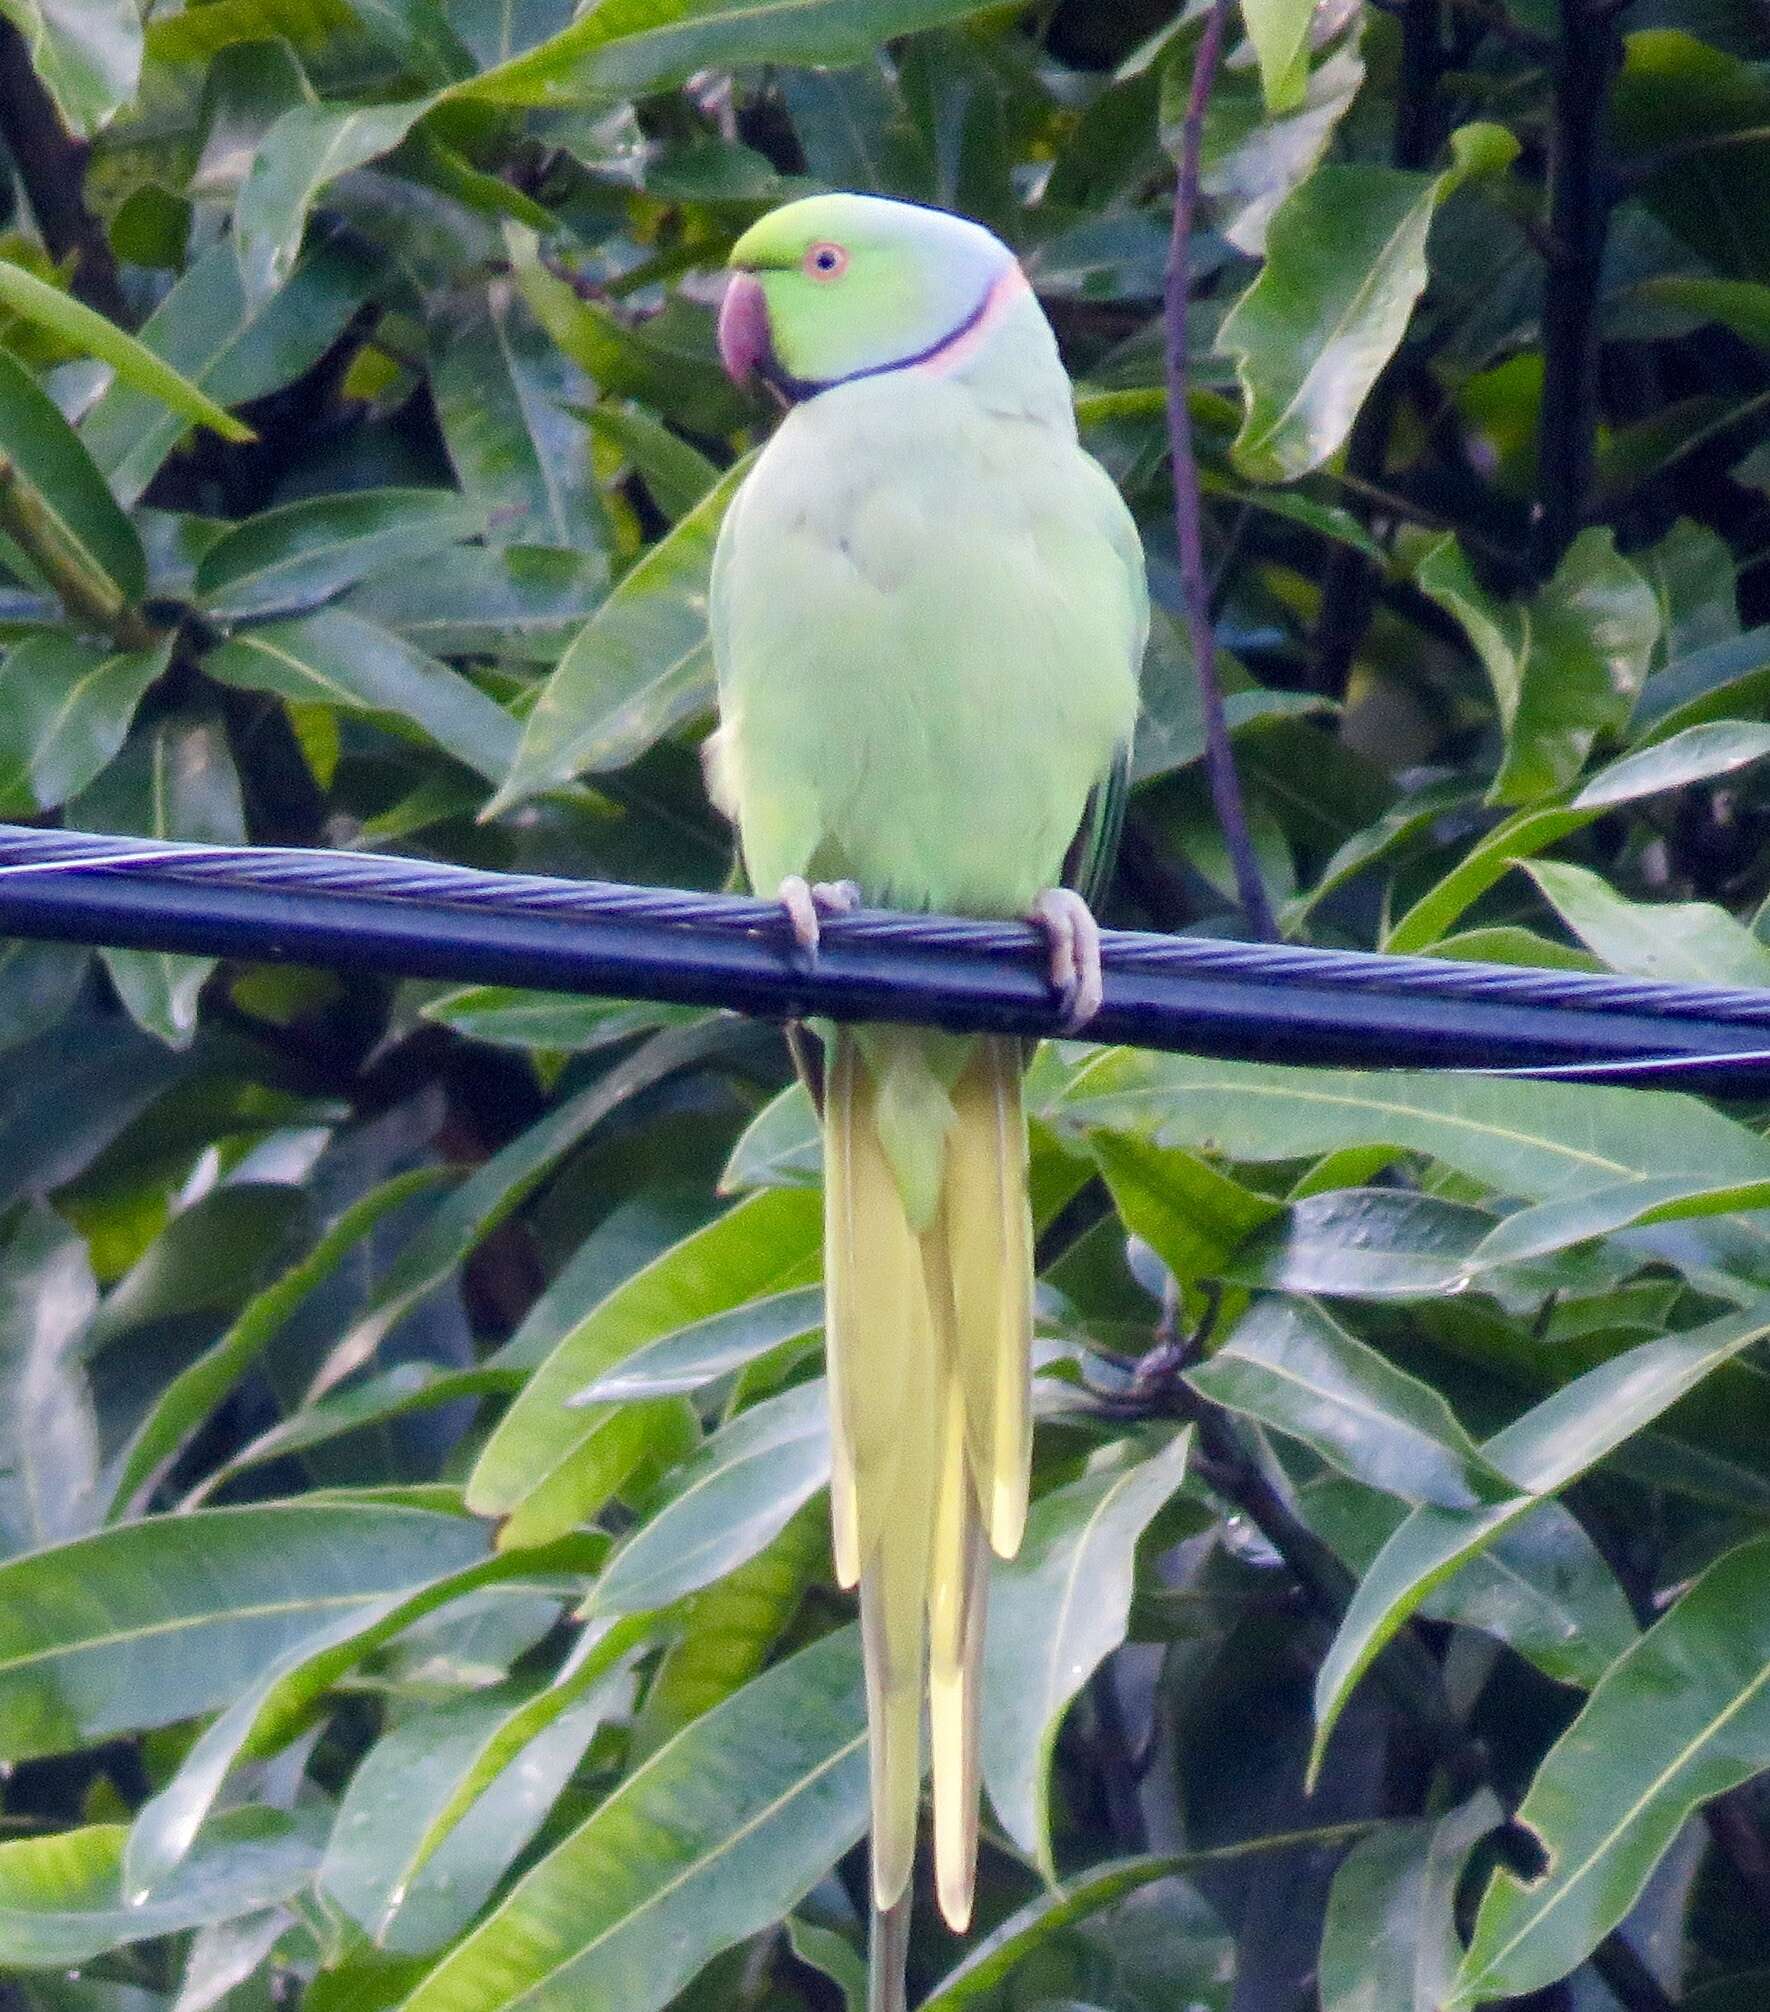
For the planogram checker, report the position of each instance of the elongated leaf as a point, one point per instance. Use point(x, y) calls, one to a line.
point(1364, 1243)
point(1056, 1612)
point(1694, 754)
point(709, 1348)
point(178, 781)
point(501, 390)
point(270, 1709)
point(720, 1833)
point(395, 1793)
point(1279, 31)
point(1564, 666)
point(231, 349)
point(781, 1147)
point(1289, 1365)
point(1552, 1226)
point(87, 52)
point(1540, 1453)
point(510, 1018)
point(71, 512)
point(68, 705)
point(157, 1621)
point(48, 1434)
point(307, 149)
point(1389, 1942)
point(493, 1190)
point(1345, 262)
point(1540, 1586)
point(524, 602)
point(547, 1466)
point(641, 663)
point(1693, 942)
point(196, 1390)
point(634, 46)
point(304, 553)
point(337, 659)
point(1684, 1716)
point(61, 1898)
point(72, 322)
point(733, 1498)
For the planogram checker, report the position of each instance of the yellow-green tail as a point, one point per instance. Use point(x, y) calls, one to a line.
point(929, 1325)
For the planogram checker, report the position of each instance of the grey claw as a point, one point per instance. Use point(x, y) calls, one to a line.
point(1074, 937)
point(794, 895)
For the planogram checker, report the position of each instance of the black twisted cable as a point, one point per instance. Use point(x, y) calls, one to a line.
point(1275, 1002)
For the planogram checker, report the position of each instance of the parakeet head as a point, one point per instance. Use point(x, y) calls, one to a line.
point(838, 287)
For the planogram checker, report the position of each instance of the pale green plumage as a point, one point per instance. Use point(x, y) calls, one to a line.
point(928, 612)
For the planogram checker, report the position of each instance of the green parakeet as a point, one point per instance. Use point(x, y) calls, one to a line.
point(928, 614)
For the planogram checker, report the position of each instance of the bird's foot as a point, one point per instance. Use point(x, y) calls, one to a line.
point(1074, 937)
point(807, 902)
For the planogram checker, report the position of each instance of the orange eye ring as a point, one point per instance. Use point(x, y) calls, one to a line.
point(825, 261)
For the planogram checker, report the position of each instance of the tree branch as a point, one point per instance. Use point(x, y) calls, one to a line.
point(1579, 223)
point(1349, 580)
point(1188, 507)
point(52, 168)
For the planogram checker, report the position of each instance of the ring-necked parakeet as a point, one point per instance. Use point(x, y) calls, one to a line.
point(928, 614)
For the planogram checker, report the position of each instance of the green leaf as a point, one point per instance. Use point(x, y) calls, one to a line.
point(72, 513)
point(38, 984)
point(489, 1195)
point(337, 659)
point(229, 348)
point(87, 52)
point(1188, 1212)
point(177, 781)
point(72, 322)
point(710, 1348)
point(781, 1147)
point(1537, 1141)
point(266, 1714)
point(509, 1018)
point(68, 705)
point(629, 47)
point(1540, 1454)
point(641, 663)
point(1691, 942)
point(1389, 1943)
point(1288, 1365)
point(1363, 1243)
point(546, 1466)
point(523, 602)
point(159, 1621)
point(307, 149)
point(194, 1393)
point(502, 390)
point(1057, 1610)
point(1565, 666)
point(1694, 754)
point(303, 553)
point(726, 1504)
point(715, 1837)
point(1279, 31)
point(1345, 262)
point(676, 474)
point(1540, 1586)
point(48, 1433)
point(405, 1779)
point(1683, 1717)
point(61, 1899)
point(1552, 1226)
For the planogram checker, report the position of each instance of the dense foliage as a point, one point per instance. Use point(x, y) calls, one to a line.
point(363, 449)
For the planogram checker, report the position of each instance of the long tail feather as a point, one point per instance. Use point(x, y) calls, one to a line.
point(887, 1421)
point(929, 1332)
point(989, 1238)
point(887, 1955)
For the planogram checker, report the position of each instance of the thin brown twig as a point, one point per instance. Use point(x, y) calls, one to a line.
point(1188, 506)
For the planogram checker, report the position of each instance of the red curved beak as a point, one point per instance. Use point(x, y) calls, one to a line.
point(743, 326)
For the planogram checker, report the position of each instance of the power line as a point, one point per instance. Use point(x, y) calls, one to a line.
point(1267, 1002)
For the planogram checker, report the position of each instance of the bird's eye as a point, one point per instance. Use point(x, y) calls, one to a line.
point(826, 261)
